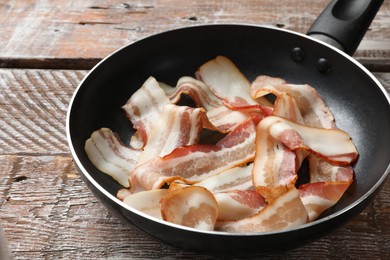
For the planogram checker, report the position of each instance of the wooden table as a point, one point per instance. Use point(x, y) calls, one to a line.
point(47, 47)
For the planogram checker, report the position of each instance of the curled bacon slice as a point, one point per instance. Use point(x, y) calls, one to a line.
point(274, 165)
point(238, 204)
point(311, 105)
point(221, 117)
point(285, 212)
point(327, 184)
point(319, 196)
point(178, 126)
point(194, 163)
point(227, 82)
point(147, 202)
point(333, 145)
point(111, 156)
point(190, 206)
point(322, 171)
point(197, 90)
point(144, 107)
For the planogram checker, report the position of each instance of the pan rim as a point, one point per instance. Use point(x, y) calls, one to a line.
point(334, 215)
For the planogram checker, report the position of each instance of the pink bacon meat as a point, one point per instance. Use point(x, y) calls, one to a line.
point(285, 212)
point(178, 126)
point(311, 106)
point(145, 106)
point(111, 156)
point(220, 116)
point(328, 182)
point(194, 163)
point(274, 166)
point(228, 83)
point(190, 206)
point(238, 204)
point(333, 145)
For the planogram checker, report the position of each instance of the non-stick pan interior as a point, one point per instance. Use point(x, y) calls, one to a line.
point(358, 103)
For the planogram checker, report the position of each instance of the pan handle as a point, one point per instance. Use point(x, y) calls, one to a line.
point(343, 23)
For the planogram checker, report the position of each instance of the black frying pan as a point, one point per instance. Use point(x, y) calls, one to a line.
point(360, 105)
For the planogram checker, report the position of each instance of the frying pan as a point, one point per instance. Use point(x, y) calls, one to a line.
point(360, 105)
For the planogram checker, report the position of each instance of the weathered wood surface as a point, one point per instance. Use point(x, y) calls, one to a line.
point(76, 34)
point(47, 212)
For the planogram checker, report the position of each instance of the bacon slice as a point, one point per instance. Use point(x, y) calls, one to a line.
point(221, 117)
point(319, 196)
point(285, 212)
point(178, 126)
point(190, 206)
point(238, 204)
point(285, 106)
point(312, 107)
point(144, 107)
point(197, 90)
point(322, 171)
point(111, 156)
point(237, 178)
point(225, 120)
point(227, 82)
point(333, 145)
point(194, 163)
point(274, 165)
point(147, 202)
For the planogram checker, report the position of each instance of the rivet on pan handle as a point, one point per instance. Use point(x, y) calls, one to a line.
point(343, 23)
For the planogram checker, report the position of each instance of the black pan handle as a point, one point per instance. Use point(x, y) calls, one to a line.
point(343, 23)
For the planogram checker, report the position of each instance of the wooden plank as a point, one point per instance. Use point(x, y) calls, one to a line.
point(47, 212)
point(76, 34)
point(33, 106)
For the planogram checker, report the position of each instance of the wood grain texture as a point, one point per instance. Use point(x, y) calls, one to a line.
point(50, 214)
point(47, 212)
point(76, 34)
point(33, 105)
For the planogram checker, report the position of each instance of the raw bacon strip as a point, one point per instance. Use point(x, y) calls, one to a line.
point(238, 204)
point(275, 165)
point(110, 156)
point(322, 171)
point(147, 202)
point(178, 126)
point(144, 107)
point(332, 145)
point(197, 90)
point(335, 179)
point(225, 120)
point(227, 82)
point(312, 107)
point(285, 106)
point(285, 212)
point(327, 184)
point(319, 196)
point(237, 178)
point(222, 118)
point(190, 206)
point(194, 163)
